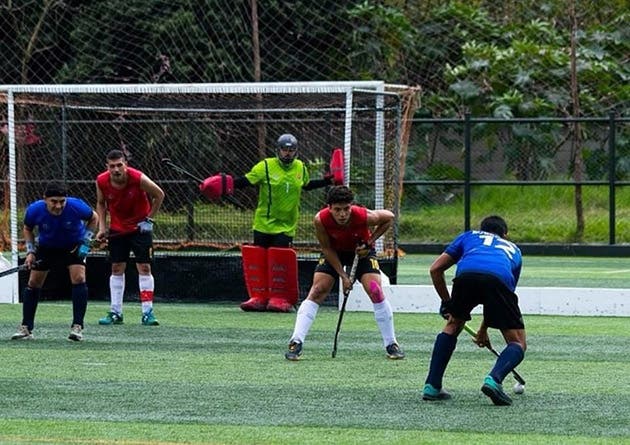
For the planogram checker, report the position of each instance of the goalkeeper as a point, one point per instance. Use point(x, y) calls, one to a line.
point(65, 228)
point(270, 264)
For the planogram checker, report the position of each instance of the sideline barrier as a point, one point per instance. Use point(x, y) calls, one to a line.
point(532, 300)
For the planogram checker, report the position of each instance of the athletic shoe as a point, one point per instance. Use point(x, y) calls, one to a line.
point(76, 333)
point(23, 333)
point(494, 390)
point(394, 352)
point(111, 318)
point(430, 393)
point(254, 305)
point(294, 352)
point(148, 319)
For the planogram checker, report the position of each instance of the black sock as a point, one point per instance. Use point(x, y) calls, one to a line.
point(442, 352)
point(79, 303)
point(29, 306)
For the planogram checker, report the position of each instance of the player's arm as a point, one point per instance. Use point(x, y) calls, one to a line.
point(318, 183)
point(155, 193)
point(101, 211)
point(380, 221)
point(242, 182)
point(29, 242)
point(92, 224)
point(329, 253)
point(481, 338)
point(437, 270)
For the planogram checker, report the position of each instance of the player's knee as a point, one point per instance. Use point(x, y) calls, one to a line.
point(318, 293)
point(376, 292)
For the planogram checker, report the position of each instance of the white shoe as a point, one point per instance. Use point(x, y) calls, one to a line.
point(23, 334)
point(76, 333)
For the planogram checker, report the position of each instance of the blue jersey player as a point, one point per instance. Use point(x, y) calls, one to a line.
point(488, 269)
point(65, 227)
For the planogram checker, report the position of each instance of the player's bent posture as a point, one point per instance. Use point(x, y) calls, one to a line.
point(270, 264)
point(65, 226)
point(488, 269)
point(132, 200)
point(343, 230)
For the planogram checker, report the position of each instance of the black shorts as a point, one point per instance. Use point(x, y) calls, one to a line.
point(272, 239)
point(55, 258)
point(141, 244)
point(367, 264)
point(500, 304)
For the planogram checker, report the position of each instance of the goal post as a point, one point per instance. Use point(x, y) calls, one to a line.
point(63, 132)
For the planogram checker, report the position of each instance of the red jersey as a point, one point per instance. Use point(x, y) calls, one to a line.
point(346, 238)
point(127, 206)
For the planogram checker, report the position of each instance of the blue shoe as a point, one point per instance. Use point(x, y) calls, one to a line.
point(430, 393)
point(148, 319)
point(494, 390)
point(111, 318)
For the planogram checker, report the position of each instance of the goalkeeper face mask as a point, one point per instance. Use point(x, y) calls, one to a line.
point(286, 148)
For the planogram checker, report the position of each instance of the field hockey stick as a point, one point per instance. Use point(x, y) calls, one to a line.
point(346, 293)
point(190, 175)
point(19, 268)
point(181, 170)
point(516, 375)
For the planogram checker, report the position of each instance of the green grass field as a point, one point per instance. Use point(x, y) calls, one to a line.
point(213, 374)
point(537, 271)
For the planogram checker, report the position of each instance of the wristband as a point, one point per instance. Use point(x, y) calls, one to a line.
point(30, 247)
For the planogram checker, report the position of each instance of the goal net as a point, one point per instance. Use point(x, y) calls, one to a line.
point(63, 132)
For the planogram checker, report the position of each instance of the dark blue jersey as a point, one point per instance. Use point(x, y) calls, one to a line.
point(483, 252)
point(64, 231)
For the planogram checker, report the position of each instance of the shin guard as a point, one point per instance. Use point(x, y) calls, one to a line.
point(255, 275)
point(282, 277)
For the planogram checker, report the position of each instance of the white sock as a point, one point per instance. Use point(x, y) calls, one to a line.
point(305, 316)
point(117, 291)
point(146, 283)
point(384, 317)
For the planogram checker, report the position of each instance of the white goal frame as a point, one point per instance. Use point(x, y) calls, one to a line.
point(9, 285)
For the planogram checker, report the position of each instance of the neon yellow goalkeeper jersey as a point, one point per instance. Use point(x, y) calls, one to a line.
point(279, 191)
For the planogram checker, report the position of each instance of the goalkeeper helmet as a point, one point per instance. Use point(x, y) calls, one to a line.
point(286, 148)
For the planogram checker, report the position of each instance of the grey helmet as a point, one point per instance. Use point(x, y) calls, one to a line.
point(287, 142)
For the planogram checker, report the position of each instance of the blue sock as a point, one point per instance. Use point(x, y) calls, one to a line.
point(29, 306)
point(509, 359)
point(442, 352)
point(79, 303)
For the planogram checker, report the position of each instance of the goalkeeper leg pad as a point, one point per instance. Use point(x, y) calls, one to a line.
point(255, 274)
point(282, 278)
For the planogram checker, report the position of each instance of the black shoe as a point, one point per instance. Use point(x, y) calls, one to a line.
point(294, 352)
point(394, 352)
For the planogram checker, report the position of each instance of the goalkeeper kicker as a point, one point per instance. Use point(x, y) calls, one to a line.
point(270, 264)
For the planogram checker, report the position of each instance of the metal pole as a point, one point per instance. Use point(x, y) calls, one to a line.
point(467, 170)
point(612, 167)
